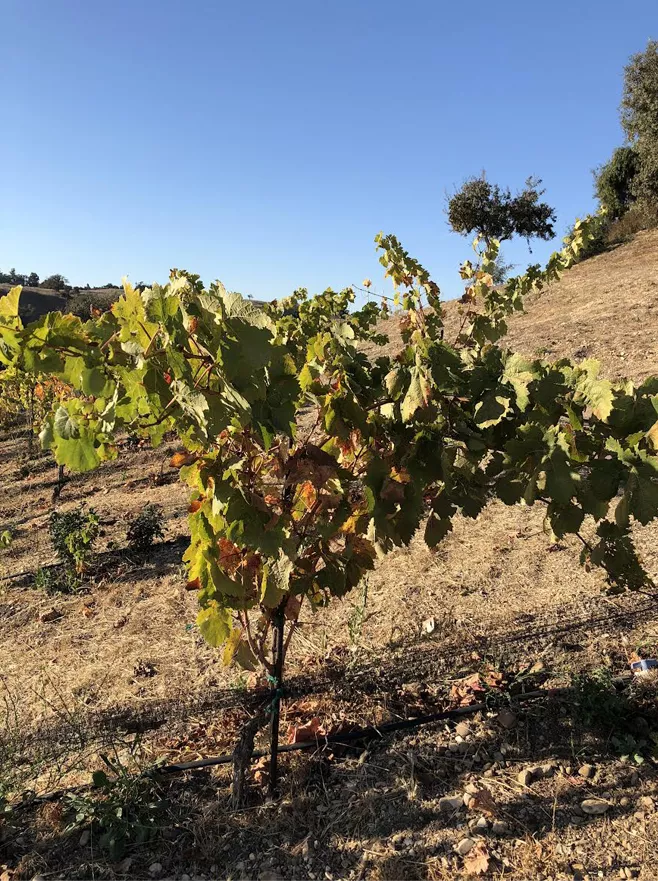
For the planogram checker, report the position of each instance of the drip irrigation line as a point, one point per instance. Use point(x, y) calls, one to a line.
point(367, 733)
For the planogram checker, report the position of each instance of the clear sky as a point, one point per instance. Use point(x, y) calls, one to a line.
point(266, 143)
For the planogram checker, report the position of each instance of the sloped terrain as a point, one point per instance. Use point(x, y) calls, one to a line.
point(91, 669)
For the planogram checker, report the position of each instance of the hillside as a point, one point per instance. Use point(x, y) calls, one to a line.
point(604, 308)
point(86, 671)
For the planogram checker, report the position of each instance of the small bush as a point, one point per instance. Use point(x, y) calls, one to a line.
point(626, 227)
point(122, 810)
point(145, 528)
point(72, 535)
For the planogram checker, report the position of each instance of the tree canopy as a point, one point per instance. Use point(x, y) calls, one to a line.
point(485, 208)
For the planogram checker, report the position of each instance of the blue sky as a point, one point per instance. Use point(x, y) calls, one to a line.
point(267, 143)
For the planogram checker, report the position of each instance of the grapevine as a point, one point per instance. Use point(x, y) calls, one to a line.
point(308, 458)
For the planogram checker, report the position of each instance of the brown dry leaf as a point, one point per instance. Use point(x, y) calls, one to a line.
point(483, 801)
point(261, 770)
point(477, 860)
point(194, 506)
point(195, 584)
point(309, 731)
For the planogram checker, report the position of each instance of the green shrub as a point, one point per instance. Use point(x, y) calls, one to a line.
point(145, 528)
point(72, 535)
point(122, 810)
point(613, 182)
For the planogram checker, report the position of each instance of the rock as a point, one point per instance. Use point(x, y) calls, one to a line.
point(464, 846)
point(498, 757)
point(50, 615)
point(594, 806)
point(463, 729)
point(85, 838)
point(647, 803)
point(453, 746)
point(587, 771)
point(124, 866)
point(548, 770)
point(499, 827)
point(506, 719)
point(525, 777)
point(155, 868)
point(624, 801)
point(450, 803)
point(187, 877)
point(481, 825)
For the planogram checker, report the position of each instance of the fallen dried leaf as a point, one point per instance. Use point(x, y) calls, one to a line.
point(477, 860)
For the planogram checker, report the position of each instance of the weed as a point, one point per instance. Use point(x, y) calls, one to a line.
point(598, 703)
point(73, 535)
point(145, 528)
point(123, 809)
point(5, 538)
point(356, 619)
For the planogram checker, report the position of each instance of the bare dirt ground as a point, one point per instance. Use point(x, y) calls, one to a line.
point(121, 669)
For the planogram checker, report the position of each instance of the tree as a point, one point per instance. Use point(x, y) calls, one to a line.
point(639, 116)
point(614, 182)
point(494, 213)
point(32, 280)
point(55, 282)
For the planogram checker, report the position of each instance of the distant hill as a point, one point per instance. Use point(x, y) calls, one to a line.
point(35, 302)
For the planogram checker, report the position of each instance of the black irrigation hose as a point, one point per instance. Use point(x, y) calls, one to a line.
point(370, 732)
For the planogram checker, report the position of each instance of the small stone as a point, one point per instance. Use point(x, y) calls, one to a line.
point(506, 719)
point(594, 806)
point(489, 773)
point(463, 729)
point(586, 771)
point(647, 803)
point(624, 801)
point(464, 846)
point(525, 777)
point(499, 827)
point(548, 770)
point(481, 824)
point(155, 868)
point(85, 838)
point(321, 809)
point(124, 866)
point(498, 757)
point(50, 615)
point(453, 746)
point(450, 803)
point(187, 877)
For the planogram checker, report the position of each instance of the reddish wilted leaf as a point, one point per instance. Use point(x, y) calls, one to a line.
point(261, 770)
point(194, 506)
point(193, 585)
point(308, 494)
point(230, 556)
point(477, 861)
point(309, 731)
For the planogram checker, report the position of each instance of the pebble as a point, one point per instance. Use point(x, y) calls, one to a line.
point(624, 801)
point(187, 877)
point(464, 846)
point(451, 803)
point(594, 806)
point(499, 827)
point(525, 777)
point(586, 771)
point(647, 803)
point(155, 868)
point(85, 838)
point(506, 718)
point(463, 729)
point(481, 824)
point(548, 770)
